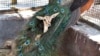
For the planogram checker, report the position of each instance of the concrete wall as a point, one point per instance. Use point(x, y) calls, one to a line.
point(76, 43)
point(12, 23)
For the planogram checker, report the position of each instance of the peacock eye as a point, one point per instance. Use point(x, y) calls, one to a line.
point(27, 42)
point(20, 48)
point(62, 10)
point(37, 43)
point(31, 23)
point(55, 9)
point(20, 54)
point(41, 48)
point(58, 1)
point(33, 29)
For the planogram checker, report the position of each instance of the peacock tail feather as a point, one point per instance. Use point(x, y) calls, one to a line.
point(33, 42)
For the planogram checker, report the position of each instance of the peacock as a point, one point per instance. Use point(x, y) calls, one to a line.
point(42, 31)
point(41, 34)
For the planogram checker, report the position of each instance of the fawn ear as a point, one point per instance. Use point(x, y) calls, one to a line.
point(54, 15)
point(40, 18)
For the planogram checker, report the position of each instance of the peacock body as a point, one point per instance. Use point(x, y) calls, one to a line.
point(33, 41)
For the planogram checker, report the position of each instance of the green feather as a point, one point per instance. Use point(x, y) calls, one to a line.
point(47, 44)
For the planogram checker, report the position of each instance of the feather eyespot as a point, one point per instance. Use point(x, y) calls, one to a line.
point(41, 48)
point(62, 10)
point(20, 48)
point(33, 29)
point(58, 1)
point(20, 54)
point(37, 43)
point(27, 42)
point(55, 9)
point(31, 23)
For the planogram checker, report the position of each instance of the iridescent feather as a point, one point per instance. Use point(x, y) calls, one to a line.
point(33, 41)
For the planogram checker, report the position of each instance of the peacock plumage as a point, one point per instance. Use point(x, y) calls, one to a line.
point(33, 41)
